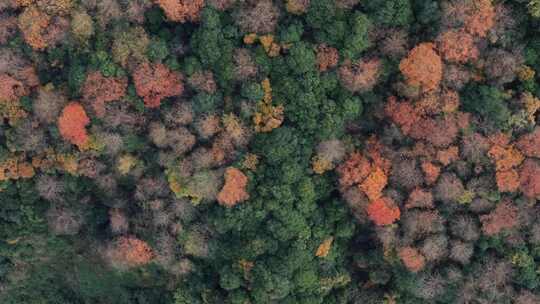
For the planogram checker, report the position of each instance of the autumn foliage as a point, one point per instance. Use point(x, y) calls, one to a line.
point(457, 46)
point(181, 10)
point(128, 251)
point(98, 90)
point(327, 57)
point(412, 259)
point(361, 75)
point(383, 211)
point(529, 144)
point(505, 216)
point(234, 190)
point(530, 178)
point(422, 67)
point(154, 82)
point(72, 123)
point(10, 88)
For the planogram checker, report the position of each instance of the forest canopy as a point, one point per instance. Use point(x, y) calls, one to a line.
point(269, 151)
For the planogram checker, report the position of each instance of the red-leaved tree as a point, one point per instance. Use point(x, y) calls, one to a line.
point(72, 123)
point(153, 82)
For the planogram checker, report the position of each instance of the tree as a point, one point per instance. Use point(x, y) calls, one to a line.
point(234, 190)
point(358, 40)
point(457, 46)
point(360, 76)
point(529, 178)
point(354, 170)
point(33, 23)
point(11, 89)
point(8, 27)
point(383, 211)
point(297, 7)
point(327, 57)
point(259, 17)
point(72, 123)
point(181, 10)
point(422, 67)
point(154, 82)
point(82, 26)
point(127, 251)
point(390, 13)
point(505, 216)
point(412, 259)
point(529, 144)
point(476, 16)
point(98, 90)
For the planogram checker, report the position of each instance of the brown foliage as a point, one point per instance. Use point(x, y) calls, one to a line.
point(448, 156)
point(244, 65)
point(475, 16)
point(505, 216)
point(63, 221)
point(502, 66)
point(457, 46)
point(474, 147)
point(8, 27)
point(234, 190)
point(422, 67)
point(327, 57)
point(406, 173)
point(221, 4)
point(154, 82)
point(412, 259)
point(465, 227)
point(181, 10)
point(203, 81)
point(480, 17)
point(530, 178)
point(402, 113)
point(529, 144)
point(118, 221)
point(448, 189)
point(98, 90)
point(361, 75)
point(440, 131)
point(11, 89)
point(258, 17)
point(394, 43)
point(435, 248)
point(420, 198)
point(455, 76)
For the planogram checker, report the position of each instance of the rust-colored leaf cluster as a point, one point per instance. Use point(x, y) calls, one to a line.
point(128, 251)
point(412, 259)
point(181, 10)
point(72, 124)
point(154, 82)
point(327, 57)
point(383, 211)
point(98, 90)
point(234, 190)
point(422, 67)
point(505, 216)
